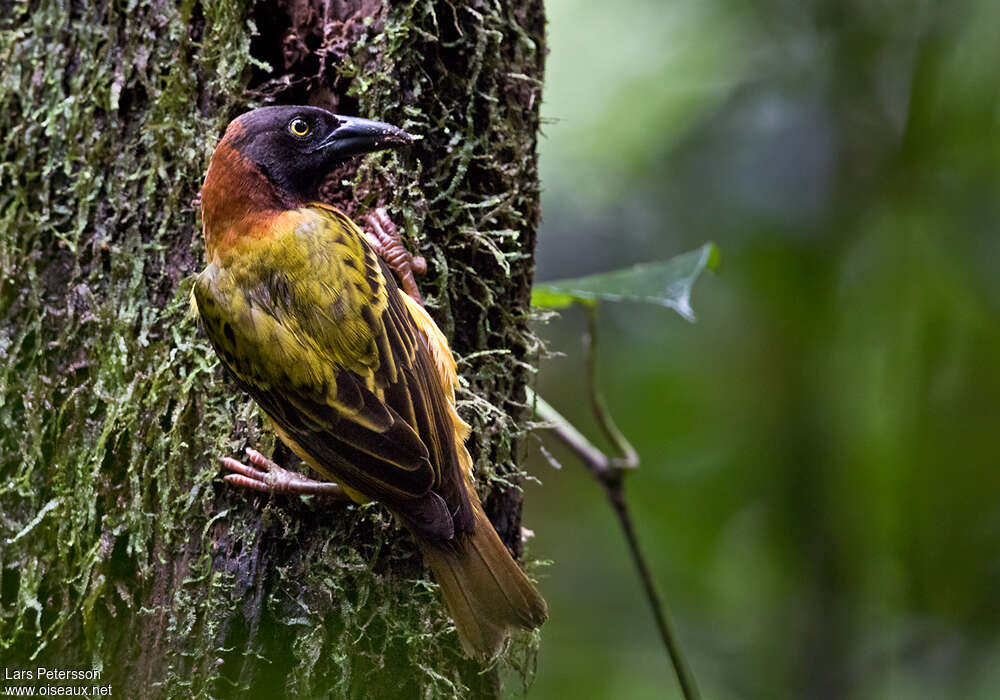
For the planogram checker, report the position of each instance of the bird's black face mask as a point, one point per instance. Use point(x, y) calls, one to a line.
point(296, 146)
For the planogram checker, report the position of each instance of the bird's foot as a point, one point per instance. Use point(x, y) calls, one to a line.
point(270, 478)
point(385, 239)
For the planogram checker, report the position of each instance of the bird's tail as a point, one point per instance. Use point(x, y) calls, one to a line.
point(485, 590)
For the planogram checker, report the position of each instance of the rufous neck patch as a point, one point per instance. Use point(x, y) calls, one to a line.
point(237, 199)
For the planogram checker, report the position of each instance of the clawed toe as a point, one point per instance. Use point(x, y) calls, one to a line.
point(385, 239)
point(271, 478)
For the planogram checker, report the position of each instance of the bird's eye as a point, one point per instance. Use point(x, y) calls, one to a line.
point(298, 127)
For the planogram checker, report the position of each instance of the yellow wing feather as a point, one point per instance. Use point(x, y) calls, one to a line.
point(447, 372)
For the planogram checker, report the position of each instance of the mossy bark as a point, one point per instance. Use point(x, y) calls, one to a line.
point(120, 549)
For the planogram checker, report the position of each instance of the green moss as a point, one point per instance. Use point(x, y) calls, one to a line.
point(474, 215)
point(107, 127)
point(119, 547)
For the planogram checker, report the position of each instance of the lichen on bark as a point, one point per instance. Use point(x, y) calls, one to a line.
point(121, 550)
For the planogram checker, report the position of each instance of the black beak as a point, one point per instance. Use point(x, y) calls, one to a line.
point(355, 136)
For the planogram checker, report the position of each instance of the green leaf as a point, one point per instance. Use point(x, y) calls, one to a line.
point(667, 283)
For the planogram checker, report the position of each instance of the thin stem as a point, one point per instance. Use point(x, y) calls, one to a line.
point(609, 472)
point(629, 457)
point(689, 689)
point(595, 460)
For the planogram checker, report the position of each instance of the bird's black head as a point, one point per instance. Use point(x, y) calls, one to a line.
point(296, 146)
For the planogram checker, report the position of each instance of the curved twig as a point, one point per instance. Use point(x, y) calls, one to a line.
point(609, 472)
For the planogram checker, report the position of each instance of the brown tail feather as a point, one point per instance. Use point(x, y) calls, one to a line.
point(485, 590)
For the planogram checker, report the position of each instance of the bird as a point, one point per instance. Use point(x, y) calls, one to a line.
point(303, 310)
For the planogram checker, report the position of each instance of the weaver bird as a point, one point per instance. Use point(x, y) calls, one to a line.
point(357, 379)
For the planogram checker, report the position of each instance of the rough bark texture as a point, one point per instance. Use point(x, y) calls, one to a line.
point(121, 548)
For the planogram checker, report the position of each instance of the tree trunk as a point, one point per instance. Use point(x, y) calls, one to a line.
point(122, 550)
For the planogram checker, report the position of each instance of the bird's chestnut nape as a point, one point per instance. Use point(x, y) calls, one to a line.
point(296, 146)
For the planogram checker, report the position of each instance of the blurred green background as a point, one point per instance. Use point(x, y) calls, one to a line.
point(819, 494)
